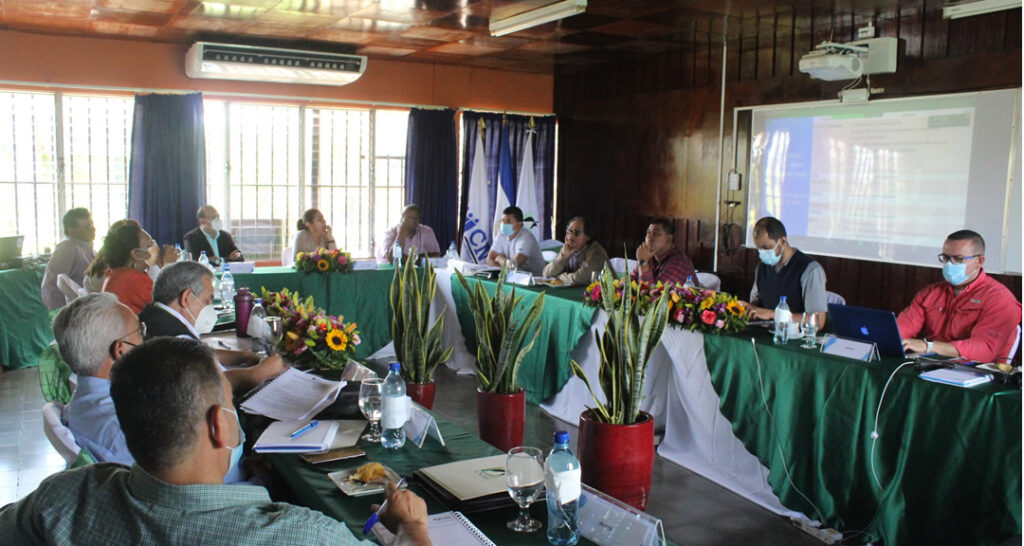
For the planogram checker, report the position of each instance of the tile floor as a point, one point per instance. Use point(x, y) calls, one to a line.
point(26, 456)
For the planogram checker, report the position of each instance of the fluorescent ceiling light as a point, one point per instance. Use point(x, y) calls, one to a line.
point(538, 16)
point(969, 9)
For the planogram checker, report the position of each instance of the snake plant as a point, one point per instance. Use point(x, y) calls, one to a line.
point(503, 336)
point(626, 346)
point(417, 343)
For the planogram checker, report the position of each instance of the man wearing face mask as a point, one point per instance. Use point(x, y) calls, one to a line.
point(969, 314)
point(92, 332)
point(785, 271)
point(516, 245)
point(179, 423)
point(183, 307)
point(211, 238)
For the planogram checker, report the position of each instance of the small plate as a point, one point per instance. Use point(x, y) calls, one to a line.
point(994, 369)
point(358, 489)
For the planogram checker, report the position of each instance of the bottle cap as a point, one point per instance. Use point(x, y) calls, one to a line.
point(395, 366)
point(782, 298)
point(561, 437)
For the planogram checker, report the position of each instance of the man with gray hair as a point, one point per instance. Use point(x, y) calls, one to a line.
point(183, 307)
point(92, 332)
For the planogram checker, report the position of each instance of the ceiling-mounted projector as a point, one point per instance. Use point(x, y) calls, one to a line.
point(831, 61)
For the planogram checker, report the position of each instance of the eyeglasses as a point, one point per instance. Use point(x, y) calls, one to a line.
point(576, 232)
point(944, 258)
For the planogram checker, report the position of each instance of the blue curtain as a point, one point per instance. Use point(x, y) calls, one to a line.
point(431, 171)
point(167, 173)
point(543, 156)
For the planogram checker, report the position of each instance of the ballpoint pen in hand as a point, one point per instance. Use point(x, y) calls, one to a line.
point(376, 515)
point(297, 433)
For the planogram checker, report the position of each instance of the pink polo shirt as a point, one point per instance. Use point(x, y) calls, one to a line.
point(981, 322)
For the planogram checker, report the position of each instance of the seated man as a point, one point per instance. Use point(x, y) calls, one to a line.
point(785, 271)
point(91, 333)
point(410, 234)
point(517, 244)
point(579, 258)
point(969, 314)
point(71, 257)
point(183, 307)
point(658, 259)
point(175, 407)
point(211, 238)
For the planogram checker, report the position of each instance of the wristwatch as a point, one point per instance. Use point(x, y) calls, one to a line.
point(642, 262)
point(928, 345)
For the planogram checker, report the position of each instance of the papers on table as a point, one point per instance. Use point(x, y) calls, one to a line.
point(448, 528)
point(957, 376)
point(293, 396)
point(364, 265)
point(240, 267)
point(277, 437)
point(472, 478)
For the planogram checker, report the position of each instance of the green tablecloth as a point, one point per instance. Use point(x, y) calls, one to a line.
point(314, 489)
point(948, 458)
point(360, 296)
point(565, 319)
point(25, 323)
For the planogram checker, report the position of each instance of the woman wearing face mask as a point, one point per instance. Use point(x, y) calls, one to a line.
point(313, 233)
point(128, 252)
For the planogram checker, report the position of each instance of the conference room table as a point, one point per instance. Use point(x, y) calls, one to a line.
point(24, 320)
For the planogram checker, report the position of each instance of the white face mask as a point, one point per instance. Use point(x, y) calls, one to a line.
point(216, 224)
point(206, 320)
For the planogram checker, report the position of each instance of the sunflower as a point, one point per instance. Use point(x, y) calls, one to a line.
point(323, 265)
point(337, 340)
point(735, 307)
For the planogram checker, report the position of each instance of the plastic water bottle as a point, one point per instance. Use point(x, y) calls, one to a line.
point(227, 286)
point(396, 253)
point(181, 253)
point(257, 311)
point(394, 408)
point(452, 254)
point(782, 319)
point(204, 260)
point(689, 282)
point(562, 481)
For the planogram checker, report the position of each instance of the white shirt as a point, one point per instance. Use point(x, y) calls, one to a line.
point(524, 243)
point(180, 317)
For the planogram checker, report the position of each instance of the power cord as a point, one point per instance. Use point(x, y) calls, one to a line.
point(874, 431)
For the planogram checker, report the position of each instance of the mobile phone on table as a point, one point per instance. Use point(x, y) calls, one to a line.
point(334, 455)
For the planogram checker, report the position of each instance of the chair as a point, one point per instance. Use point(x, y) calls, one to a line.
point(832, 297)
point(288, 256)
point(70, 288)
point(60, 437)
point(549, 255)
point(709, 281)
point(620, 265)
point(549, 244)
point(1013, 348)
point(54, 376)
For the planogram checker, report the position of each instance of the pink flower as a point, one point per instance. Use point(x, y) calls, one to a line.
point(680, 315)
point(707, 317)
point(719, 323)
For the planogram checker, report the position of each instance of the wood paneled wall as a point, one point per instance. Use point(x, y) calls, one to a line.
point(639, 133)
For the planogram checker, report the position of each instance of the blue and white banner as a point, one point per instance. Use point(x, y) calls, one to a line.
point(506, 188)
point(526, 194)
point(476, 238)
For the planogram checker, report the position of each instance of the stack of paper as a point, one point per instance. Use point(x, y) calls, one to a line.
point(957, 376)
point(277, 438)
point(293, 396)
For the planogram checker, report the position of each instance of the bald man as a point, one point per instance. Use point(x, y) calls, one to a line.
point(211, 238)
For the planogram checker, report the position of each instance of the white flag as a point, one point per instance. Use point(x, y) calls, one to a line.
point(476, 237)
point(526, 195)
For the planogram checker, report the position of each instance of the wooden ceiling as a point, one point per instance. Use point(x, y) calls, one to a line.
point(448, 31)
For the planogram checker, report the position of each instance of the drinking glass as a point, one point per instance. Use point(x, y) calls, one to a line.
point(276, 329)
point(370, 405)
point(524, 473)
point(809, 328)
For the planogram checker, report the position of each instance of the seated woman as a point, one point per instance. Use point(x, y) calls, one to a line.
point(313, 233)
point(128, 252)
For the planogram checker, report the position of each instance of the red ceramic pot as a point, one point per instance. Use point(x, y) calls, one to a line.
point(422, 393)
point(618, 459)
point(500, 418)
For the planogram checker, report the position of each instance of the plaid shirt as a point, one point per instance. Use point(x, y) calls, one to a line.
point(671, 267)
point(107, 503)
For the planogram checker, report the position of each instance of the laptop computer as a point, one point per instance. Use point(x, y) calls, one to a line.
point(872, 325)
point(10, 247)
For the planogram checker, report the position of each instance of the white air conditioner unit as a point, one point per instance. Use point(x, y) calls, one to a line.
point(270, 64)
point(500, 26)
point(980, 7)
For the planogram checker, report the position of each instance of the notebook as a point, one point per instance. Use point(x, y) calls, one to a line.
point(276, 438)
point(472, 485)
point(447, 528)
point(959, 377)
point(292, 396)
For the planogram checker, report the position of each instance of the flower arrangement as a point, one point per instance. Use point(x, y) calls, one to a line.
point(690, 308)
point(322, 260)
point(312, 336)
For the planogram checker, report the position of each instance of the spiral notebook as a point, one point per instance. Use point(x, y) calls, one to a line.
point(292, 396)
point(447, 528)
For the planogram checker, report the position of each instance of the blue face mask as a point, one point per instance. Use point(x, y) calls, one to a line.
point(507, 230)
point(236, 452)
point(768, 255)
point(955, 274)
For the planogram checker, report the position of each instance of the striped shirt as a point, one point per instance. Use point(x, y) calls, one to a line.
point(107, 503)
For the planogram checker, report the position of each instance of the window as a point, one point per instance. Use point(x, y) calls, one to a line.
point(90, 139)
point(267, 164)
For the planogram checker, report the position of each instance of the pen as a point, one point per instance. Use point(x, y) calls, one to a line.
point(376, 515)
point(222, 344)
point(297, 433)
